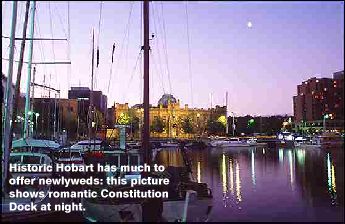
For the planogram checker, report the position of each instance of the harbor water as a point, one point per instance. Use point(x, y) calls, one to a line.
point(263, 184)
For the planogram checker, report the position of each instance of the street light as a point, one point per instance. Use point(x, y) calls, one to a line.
point(326, 116)
point(36, 116)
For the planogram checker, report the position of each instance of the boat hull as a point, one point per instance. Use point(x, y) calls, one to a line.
point(173, 210)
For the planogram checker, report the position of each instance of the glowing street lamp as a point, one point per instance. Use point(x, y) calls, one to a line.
point(326, 116)
point(36, 116)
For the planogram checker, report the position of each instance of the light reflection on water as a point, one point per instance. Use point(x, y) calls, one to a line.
point(253, 167)
point(251, 184)
point(231, 177)
point(238, 183)
point(291, 166)
point(331, 179)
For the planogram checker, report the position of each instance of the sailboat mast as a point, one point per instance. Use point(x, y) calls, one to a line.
point(91, 92)
point(226, 113)
point(146, 131)
point(19, 74)
point(8, 101)
point(27, 100)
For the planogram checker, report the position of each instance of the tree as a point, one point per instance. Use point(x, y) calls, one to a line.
point(157, 125)
point(99, 119)
point(71, 126)
point(123, 119)
point(187, 125)
point(135, 124)
point(215, 127)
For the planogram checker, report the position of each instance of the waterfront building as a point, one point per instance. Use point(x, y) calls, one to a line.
point(83, 94)
point(168, 119)
point(57, 116)
point(317, 97)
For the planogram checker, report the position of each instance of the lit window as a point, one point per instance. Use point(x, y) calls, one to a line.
point(312, 92)
point(335, 82)
point(335, 86)
point(325, 89)
point(317, 80)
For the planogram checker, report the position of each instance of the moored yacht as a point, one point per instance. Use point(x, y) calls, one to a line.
point(86, 145)
point(232, 142)
point(286, 139)
point(25, 159)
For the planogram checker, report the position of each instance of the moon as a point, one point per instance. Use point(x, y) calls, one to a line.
point(249, 24)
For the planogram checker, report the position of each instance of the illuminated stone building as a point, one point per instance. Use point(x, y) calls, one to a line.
point(172, 115)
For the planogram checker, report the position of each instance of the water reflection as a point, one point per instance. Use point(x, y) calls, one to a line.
point(272, 184)
point(331, 179)
point(300, 156)
point(253, 167)
point(170, 157)
point(231, 173)
point(225, 189)
point(281, 155)
point(291, 165)
point(224, 180)
point(199, 173)
point(238, 183)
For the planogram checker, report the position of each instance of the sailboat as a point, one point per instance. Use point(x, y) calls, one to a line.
point(187, 200)
point(27, 150)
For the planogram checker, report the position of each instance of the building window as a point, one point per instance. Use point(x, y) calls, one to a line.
point(317, 80)
point(335, 86)
point(325, 89)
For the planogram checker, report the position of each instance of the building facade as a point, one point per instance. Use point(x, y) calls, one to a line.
point(56, 117)
point(83, 95)
point(319, 96)
point(173, 117)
